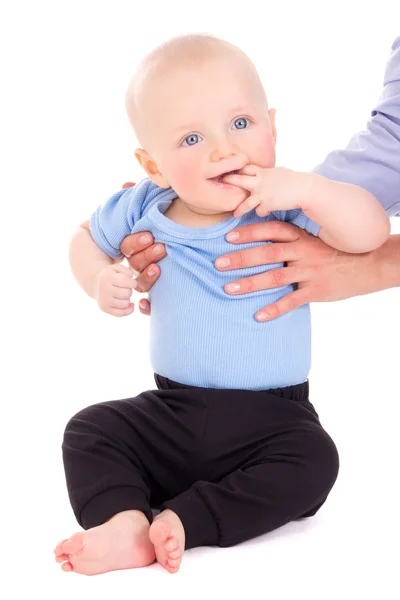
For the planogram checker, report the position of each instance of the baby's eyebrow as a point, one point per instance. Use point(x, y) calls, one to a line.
point(184, 128)
point(238, 109)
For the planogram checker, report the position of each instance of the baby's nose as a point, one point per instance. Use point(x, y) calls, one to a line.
point(223, 149)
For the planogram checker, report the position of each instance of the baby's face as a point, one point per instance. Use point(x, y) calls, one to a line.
point(212, 119)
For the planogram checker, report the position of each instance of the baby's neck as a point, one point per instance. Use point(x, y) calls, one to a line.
point(181, 213)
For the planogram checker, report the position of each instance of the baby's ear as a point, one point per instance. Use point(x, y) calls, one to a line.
point(272, 113)
point(148, 164)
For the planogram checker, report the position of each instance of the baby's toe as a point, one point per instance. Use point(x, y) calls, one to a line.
point(67, 567)
point(171, 545)
point(175, 554)
point(58, 549)
point(74, 544)
point(61, 558)
point(174, 562)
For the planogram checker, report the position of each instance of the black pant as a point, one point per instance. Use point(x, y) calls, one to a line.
point(233, 464)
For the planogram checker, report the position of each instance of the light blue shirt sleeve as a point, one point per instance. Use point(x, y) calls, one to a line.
point(115, 219)
point(297, 217)
point(372, 157)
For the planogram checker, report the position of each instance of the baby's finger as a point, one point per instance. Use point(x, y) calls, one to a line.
point(121, 293)
point(249, 170)
point(248, 204)
point(119, 303)
point(262, 211)
point(118, 268)
point(124, 312)
point(122, 281)
point(243, 181)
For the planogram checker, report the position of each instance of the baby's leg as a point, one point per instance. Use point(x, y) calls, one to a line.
point(120, 456)
point(274, 463)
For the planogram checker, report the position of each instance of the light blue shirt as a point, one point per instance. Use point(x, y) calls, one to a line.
point(200, 335)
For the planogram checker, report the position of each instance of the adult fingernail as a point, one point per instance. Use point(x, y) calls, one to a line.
point(145, 238)
point(151, 271)
point(232, 287)
point(232, 236)
point(262, 316)
point(222, 262)
point(158, 249)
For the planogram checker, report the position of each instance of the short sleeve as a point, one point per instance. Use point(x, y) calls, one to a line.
point(372, 157)
point(115, 219)
point(297, 217)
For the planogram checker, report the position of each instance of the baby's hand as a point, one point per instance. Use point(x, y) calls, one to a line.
point(270, 189)
point(114, 287)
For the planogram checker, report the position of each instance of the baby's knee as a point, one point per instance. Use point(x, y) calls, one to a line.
point(84, 422)
point(324, 458)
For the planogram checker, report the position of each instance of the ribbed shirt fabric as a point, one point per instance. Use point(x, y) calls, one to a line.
point(200, 335)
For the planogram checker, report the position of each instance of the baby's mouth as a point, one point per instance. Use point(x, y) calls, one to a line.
point(219, 178)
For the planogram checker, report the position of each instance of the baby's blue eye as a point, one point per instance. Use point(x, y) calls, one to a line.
point(241, 123)
point(191, 140)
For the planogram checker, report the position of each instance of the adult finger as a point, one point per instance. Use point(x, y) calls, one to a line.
point(273, 278)
point(136, 242)
point(284, 305)
point(139, 262)
point(147, 278)
point(259, 255)
point(274, 231)
point(144, 306)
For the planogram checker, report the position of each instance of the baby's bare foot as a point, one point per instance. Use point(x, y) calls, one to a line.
point(168, 536)
point(120, 543)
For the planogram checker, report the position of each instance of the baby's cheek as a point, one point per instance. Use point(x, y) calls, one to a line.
point(263, 152)
point(183, 176)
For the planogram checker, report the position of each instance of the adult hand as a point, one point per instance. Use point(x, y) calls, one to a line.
point(323, 274)
point(142, 254)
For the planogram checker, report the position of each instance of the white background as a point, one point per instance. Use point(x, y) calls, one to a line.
point(66, 146)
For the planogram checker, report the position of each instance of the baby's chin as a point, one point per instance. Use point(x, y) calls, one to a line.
point(225, 202)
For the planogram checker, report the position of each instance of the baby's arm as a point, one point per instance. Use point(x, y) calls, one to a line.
point(96, 247)
point(350, 218)
point(100, 276)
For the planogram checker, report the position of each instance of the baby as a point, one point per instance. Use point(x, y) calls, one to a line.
point(228, 446)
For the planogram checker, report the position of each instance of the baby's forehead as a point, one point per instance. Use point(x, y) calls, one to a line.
point(183, 62)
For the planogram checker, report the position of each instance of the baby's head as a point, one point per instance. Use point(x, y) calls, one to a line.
point(199, 110)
